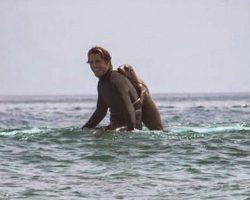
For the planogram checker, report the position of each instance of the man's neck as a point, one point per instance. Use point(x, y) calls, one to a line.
point(105, 76)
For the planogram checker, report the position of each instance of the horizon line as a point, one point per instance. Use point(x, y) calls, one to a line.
point(152, 93)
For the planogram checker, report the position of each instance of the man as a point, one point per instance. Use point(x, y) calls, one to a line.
point(115, 92)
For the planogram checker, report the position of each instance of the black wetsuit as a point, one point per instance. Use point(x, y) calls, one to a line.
point(117, 93)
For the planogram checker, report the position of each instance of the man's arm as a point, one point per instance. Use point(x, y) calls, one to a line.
point(98, 115)
point(123, 93)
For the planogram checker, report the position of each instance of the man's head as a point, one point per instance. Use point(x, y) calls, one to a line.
point(99, 60)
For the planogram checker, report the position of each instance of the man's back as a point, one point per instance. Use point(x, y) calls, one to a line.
point(118, 94)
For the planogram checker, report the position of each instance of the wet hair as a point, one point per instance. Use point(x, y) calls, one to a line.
point(105, 55)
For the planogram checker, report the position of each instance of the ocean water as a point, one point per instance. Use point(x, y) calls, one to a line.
point(203, 153)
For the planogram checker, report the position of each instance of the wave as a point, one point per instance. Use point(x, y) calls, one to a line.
point(70, 131)
point(14, 132)
point(221, 129)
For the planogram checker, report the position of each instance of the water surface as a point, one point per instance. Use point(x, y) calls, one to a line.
point(203, 153)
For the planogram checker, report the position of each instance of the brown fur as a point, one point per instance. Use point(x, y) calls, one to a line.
point(150, 113)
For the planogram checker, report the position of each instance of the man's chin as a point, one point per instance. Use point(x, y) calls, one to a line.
point(98, 75)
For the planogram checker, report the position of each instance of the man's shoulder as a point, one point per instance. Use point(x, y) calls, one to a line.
point(115, 76)
point(115, 73)
point(118, 80)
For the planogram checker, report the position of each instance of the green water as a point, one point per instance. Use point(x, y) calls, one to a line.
point(204, 153)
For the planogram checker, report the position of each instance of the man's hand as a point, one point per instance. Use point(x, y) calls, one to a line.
point(84, 127)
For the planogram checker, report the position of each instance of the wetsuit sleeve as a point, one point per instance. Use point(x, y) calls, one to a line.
point(98, 115)
point(123, 92)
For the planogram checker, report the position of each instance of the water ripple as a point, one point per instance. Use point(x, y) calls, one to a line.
point(204, 153)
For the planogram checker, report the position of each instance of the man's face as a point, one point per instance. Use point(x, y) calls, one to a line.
point(98, 65)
